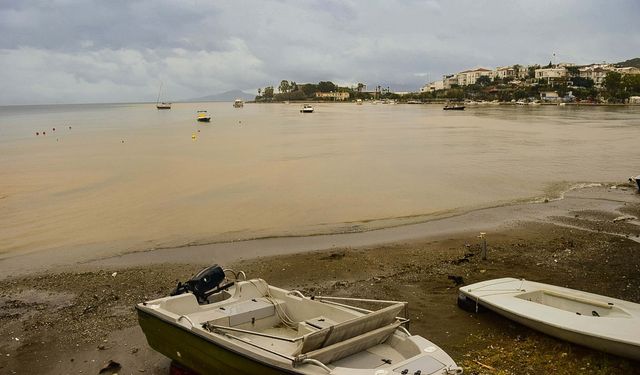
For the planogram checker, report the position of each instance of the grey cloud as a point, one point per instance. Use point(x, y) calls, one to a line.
point(119, 50)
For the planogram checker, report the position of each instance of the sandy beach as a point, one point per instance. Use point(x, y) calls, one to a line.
point(79, 314)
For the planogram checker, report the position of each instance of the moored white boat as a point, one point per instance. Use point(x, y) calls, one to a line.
point(238, 103)
point(249, 326)
point(603, 323)
point(307, 108)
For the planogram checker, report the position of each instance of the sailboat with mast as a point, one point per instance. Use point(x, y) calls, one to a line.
point(162, 105)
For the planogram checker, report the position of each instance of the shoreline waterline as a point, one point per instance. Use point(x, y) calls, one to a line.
point(554, 192)
point(467, 224)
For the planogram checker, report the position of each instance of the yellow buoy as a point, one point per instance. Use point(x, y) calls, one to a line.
point(193, 136)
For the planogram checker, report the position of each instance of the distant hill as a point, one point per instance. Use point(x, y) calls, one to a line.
point(227, 96)
point(632, 63)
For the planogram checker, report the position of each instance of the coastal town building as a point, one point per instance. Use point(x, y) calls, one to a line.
point(469, 77)
point(549, 96)
point(433, 86)
point(336, 95)
point(511, 72)
point(551, 74)
point(595, 72)
point(518, 74)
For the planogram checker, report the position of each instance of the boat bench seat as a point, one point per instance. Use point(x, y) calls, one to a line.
point(314, 324)
point(238, 313)
point(348, 329)
point(356, 344)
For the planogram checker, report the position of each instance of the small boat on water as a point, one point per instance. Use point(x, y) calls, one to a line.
point(307, 108)
point(602, 323)
point(238, 103)
point(221, 322)
point(359, 101)
point(203, 116)
point(453, 107)
point(162, 105)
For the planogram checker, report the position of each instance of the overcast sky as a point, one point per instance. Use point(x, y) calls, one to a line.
point(72, 51)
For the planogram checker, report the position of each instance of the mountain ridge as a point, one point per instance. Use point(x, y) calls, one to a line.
point(635, 63)
point(227, 96)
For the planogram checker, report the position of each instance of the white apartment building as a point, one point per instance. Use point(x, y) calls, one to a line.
point(595, 72)
point(551, 74)
point(513, 71)
point(433, 86)
point(469, 77)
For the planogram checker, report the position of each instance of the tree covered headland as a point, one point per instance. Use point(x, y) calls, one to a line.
point(290, 90)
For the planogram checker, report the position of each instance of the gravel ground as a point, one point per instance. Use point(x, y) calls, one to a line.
point(75, 322)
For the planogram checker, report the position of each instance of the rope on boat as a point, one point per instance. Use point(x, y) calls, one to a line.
point(282, 314)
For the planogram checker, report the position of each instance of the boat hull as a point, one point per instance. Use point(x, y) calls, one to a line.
point(454, 108)
point(197, 353)
point(537, 318)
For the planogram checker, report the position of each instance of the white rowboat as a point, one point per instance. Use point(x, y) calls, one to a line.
point(602, 323)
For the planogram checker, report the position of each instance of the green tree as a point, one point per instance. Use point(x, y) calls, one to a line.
point(483, 81)
point(582, 82)
point(284, 86)
point(268, 92)
point(517, 68)
point(573, 71)
point(326, 86)
point(309, 89)
point(631, 83)
point(613, 81)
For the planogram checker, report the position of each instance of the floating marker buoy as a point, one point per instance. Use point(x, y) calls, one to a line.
point(37, 133)
point(69, 127)
point(193, 136)
point(123, 141)
point(54, 129)
point(198, 130)
point(43, 133)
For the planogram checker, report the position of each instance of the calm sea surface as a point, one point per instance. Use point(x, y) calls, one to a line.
point(130, 177)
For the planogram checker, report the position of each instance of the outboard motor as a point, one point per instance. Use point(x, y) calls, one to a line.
point(204, 284)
